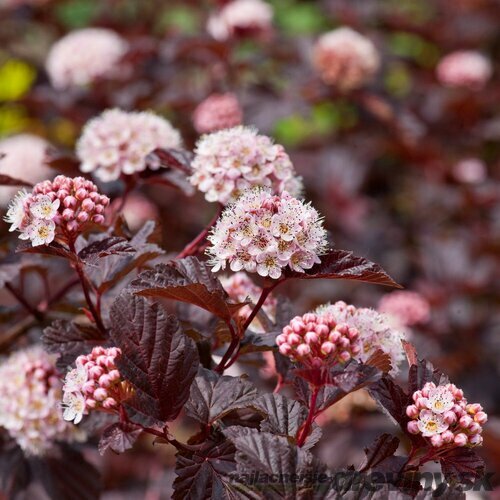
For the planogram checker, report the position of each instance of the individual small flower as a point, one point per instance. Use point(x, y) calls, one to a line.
point(241, 17)
point(84, 55)
point(58, 209)
point(410, 308)
point(217, 112)
point(377, 331)
point(241, 288)
point(464, 68)
point(22, 156)
point(442, 414)
point(30, 392)
point(318, 341)
point(345, 58)
point(94, 384)
point(470, 171)
point(117, 142)
point(245, 236)
point(230, 161)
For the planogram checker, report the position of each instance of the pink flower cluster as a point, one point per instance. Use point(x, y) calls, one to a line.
point(230, 161)
point(443, 415)
point(241, 288)
point(217, 112)
point(265, 234)
point(241, 17)
point(377, 331)
point(318, 340)
point(410, 308)
point(464, 68)
point(345, 58)
point(117, 142)
point(95, 384)
point(56, 209)
point(84, 55)
point(30, 392)
point(24, 157)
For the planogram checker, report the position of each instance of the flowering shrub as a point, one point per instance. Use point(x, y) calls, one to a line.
point(172, 282)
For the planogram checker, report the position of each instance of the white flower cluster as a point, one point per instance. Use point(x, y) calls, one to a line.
point(265, 234)
point(230, 161)
point(30, 396)
point(117, 142)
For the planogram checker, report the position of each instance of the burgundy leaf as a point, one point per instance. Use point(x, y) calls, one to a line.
point(158, 359)
point(423, 372)
point(7, 180)
point(341, 264)
point(384, 447)
point(393, 398)
point(8, 272)
point(178, 159)
point(212, 396)
point(411, 352)
point(64, 163)
point(112, 245)
point(14, 470)
point(119, 437)
point(462, 466)
point(54, 249)
point(186, 280)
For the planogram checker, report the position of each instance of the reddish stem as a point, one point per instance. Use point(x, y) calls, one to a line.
point(37, 314)
point(306, 428)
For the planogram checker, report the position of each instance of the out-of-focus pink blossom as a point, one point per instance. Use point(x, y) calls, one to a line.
point(30, 395)
point(230, 161)
point(464, 68)
point(138, 210)
point(217, 112)
point(241, 17)
point(470, 171)
point(345, 58)
point(265, 234)
point(84, 55)
point(23, 159)
point(117, 142)
point(410, 308)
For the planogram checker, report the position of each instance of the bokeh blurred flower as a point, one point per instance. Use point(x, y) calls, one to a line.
point(345, 58)
point(23, 160)
point(117, 142)
point(138, 210)
point(30, 397)
point(217, 112)
point(265, 234)
point(230, 161)
point(410, 308)
point(464, 68)
point(241, 17)
point(56, 209)
point(84, 55)
point(470, 171)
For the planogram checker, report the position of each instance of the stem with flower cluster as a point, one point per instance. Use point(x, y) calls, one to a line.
point(305, 429)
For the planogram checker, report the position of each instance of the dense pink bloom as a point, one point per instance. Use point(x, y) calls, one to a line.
point(470, 171)
point(465, 68)
point(84, 55)
point(442, 414)
point(117, 142)
point(377, 331)
point(345, 58)
point(25, 160)
point(265, 234)
point(318, 340)
point(217, 112)
point(57, 209)
point(241, 288)
point(30, 395)
point(95, 384)
point(410, 308)
point(233, 160)
point(241, 17)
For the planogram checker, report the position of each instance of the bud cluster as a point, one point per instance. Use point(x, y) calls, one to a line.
point(30, 392)
point(317, 341)
point(410, 308)
point(217, 112)
point(265, 234)
point(230, 161)
point(442, 414)
point(464, 68)
point(95, 384)
point(56, 209)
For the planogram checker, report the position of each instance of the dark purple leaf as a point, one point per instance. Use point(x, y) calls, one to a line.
point(112, 245)
point(462, 466)
point(423, 372)
point(64, 163)
point(341, 264)
point(212, 396)
point(158, 359)
point(6, 180)
point(54, 249)
point(186, 280)
point(384, 447)
point(119, 437)
point(204, 473)
point(177, 159)
point(393, 398)
point(8, 272)
point(14, 470)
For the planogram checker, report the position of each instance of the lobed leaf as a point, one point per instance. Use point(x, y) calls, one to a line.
point(381, 449)
point(112, 245)
point(119, 437)
point(462, 466)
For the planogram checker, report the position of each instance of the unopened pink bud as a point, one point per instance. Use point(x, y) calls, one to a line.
point(356, 349)
point(98, 219)
point(104, 381)
point(285, 349)
point(474, 408)
point(344, 342)
point(450, 417)
point(309, 318)
point(311, 338)
point(417, 395)
point(353, 333)
point(412, 411)
point(100, 394)
point(281, 339)
point(303, 350)
point(109, 403)
point(91, 403)
point(88, 387)
point(334, 336)
point(327, 348)
point(88, 205)
point(342, 328)
point(480, 417)
point(344, 356)
point(321, 330)
point(72, 226)
point(413, 427)
point(68, 214)
point(475, 440)
point(81, 194)
point(448, 437)
point(294, 339)
point(421, 403)
point(465, 421)
point(114, 375)
point(436, 441)
point(82, 216)
point(461, 439)
point(70, 202)
point(474, 428)
point(96, 372)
